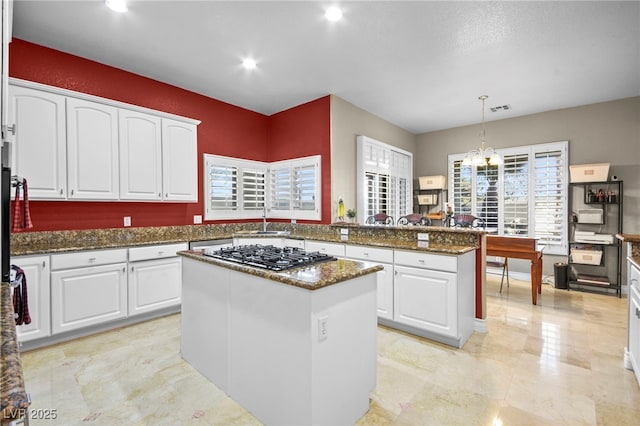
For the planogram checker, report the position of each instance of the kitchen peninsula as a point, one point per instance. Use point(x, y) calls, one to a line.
point(292, 347)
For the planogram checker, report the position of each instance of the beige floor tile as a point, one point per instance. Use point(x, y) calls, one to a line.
point(560, 362)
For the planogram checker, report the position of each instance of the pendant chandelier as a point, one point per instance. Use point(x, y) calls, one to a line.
point(479, 157)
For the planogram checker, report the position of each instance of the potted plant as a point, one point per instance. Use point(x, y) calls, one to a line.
point(351, 214)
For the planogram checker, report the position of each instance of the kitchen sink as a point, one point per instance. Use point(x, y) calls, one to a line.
point(273, 232)
point(283, 233)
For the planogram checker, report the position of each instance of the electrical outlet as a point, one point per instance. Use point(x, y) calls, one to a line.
point(127, 221)
point(294, 221)
point(197, 219)
point(323, 332)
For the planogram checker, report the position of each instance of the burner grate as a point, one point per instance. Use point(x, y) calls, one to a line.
point(269, 257)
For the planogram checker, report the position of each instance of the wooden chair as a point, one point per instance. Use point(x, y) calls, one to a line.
point(379, 219)
point(504, 264)
point(414, 219)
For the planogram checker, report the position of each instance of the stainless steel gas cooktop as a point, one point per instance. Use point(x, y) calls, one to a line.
point(269, 257)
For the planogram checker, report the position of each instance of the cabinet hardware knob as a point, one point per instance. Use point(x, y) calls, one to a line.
point(61, 191)
point(159, 194)
point(92, 259)
point(637, 312)
point(132, 269)
point(72, 192)
point(160, 253)
point(44, 263)
point(11, 129)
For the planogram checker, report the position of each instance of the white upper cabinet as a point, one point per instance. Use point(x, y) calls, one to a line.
point(179, 161)
point(140, 156)
point(92, 150)
point(39, 150)
point(73, 146)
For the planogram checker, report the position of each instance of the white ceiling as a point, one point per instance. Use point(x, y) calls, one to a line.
point(420, 65)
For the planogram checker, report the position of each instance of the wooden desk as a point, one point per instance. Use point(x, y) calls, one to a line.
point(519, 248)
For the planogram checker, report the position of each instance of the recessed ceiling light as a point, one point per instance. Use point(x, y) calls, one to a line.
point(333, 13)
point(117, 5)
point(249, 63)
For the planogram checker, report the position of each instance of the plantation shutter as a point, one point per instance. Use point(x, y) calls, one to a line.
point(253, 189)
point(515, 219)
point(223, 185)
point(550, 200)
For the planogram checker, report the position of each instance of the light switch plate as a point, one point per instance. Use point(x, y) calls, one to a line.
point(197, 219)
point(127, 221)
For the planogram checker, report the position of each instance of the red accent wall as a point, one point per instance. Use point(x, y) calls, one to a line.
point(303, 131)
point(225, 129)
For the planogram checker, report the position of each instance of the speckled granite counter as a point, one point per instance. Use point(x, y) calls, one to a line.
point(311, 278)
point(13, 397)
point(442, 240)
point(634, 241)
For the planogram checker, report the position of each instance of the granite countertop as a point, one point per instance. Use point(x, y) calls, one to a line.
point(634, 239)
point(13, 397)
point(442, 240)
point(311, 277)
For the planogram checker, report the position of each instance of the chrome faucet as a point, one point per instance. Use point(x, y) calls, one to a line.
point(264, 219)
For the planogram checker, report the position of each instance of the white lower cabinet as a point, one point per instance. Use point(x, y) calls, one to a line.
point(83, 295)
point(434, 295)
point(425, 299)
point(384, 278)
point(633, 349)
point(155, 278)
point(36, 271)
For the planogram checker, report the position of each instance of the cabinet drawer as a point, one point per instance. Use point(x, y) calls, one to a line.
point(87, 258)
point(332, 249)
point(373, 254)
point(155, 252)
point(418, 259)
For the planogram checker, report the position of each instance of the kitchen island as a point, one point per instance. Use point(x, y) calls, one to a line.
point(292, 347)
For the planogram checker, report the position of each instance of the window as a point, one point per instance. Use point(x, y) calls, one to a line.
point(526, 195)
point(241, 189)
point(385, 180)
point(234, 188)
point(295, 188)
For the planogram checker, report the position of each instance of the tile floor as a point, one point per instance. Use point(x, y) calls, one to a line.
point(558, 363)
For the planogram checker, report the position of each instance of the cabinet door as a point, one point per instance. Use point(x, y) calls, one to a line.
point(36, 271)
point(140, 156)
point(39, 142)
point(426, 299)
point(154, 284)
point(179, 161)
point(88, 296)
point(385, 292)
point(634, 331)
point(92, 145)
point(634, 318)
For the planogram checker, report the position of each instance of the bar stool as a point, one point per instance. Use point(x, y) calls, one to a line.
point(505, 269)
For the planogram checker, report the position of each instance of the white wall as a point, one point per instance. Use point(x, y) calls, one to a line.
point(607, 132)
point(347, 122)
